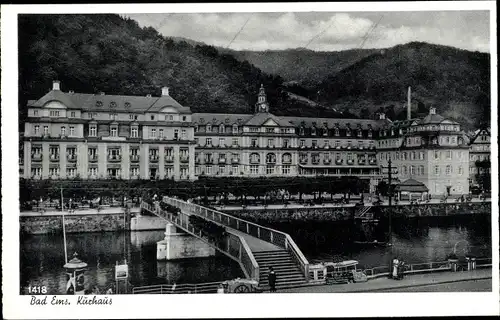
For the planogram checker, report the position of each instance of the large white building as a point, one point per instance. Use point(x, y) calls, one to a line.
point(99, 136)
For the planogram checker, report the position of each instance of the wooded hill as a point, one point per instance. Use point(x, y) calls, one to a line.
point(93, 53)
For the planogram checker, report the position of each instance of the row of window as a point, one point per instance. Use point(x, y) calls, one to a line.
point(254, 143)
point(414, 155)
point(234, 170)
point(114, 173)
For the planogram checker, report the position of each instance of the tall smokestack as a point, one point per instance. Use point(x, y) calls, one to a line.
point(409, 104)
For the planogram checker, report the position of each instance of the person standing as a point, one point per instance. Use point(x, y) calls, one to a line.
point(272, 279)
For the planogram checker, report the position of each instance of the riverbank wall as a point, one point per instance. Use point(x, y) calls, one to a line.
point(345, 213)
point(74, 222)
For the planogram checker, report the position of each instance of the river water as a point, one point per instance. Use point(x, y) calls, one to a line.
point(417, 241)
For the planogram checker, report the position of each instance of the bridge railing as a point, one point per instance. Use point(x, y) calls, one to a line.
point(209, 287)
point(233, 245)
point(278, 238)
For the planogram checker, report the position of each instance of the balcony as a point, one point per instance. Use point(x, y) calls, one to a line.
point(222, 160)
point(36, 157)
point(154, 158)
point(93, 158)
point(235, 160)
point(134, 158)
point(184, 158)
point(54, 157)
point(114, 158)
point(169, 159)
point(71, 157)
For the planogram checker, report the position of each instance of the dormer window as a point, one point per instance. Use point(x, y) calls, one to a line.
point(221, 128)
point(152, 117)
point(112, 104)
point(209, 128)
point(98, 104)
point(336, 132)
point(313, 131)
point(301, 131)
point(348, 132)
point(370, 133)
point(127, 105)
point(235, 129)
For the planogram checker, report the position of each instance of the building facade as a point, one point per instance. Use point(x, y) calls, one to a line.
point(70, 135)
point(479, 157)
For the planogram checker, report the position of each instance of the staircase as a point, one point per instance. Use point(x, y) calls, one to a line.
point(287, 271)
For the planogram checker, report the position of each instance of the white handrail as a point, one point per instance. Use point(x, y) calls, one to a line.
point(289, 241)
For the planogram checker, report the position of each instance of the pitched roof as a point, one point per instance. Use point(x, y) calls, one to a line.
point(411, 185)
point(432, 119)
point(331, 122)
point(221, 118)
point(478, 132)
point(260, 118)
point(93, 102)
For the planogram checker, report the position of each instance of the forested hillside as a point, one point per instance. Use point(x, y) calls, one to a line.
point(303, 66)
point(93, 53)
point(456, 82)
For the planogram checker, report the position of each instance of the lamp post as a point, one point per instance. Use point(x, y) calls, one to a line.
point(389, 209)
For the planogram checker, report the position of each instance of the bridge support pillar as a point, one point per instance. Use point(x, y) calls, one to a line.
point(179, 245)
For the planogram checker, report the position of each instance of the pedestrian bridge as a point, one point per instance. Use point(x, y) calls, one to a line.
point(254, 247)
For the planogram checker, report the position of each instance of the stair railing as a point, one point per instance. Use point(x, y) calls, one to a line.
point(278, 238)
point(232, 245)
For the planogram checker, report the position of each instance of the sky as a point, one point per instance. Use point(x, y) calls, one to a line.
point(325, 31)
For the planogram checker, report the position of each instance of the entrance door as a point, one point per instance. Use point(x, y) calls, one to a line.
point(152, 173)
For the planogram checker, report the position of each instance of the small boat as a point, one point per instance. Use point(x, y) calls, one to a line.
point(375, 242)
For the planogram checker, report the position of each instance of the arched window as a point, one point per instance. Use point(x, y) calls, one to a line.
point(286, 158)
point(412, 170)
point(405, 170)
point(270, 158)
point(221, 128)
point(254, 158)
point(336, 132)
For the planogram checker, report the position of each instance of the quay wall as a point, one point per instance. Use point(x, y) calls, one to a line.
point(346, 213)
point(43, 224)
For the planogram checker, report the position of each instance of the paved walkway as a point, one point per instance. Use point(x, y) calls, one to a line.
point(382, 284)
point(331, 205)
point(255, 244)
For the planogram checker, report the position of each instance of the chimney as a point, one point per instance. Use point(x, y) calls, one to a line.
point(409, 104)
point(432, 110)
point(164, 91)
point(56, 85)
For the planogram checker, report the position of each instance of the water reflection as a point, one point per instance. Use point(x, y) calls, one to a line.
point(42, 256)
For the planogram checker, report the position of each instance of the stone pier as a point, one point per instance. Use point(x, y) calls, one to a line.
point(179, 245)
